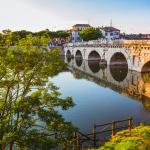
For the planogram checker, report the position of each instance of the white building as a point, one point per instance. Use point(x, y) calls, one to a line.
point(76, 29)
point(110, 33)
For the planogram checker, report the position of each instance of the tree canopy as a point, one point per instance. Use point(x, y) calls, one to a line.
point(53, 34)
point(29, 102)
point(15, 36)
point(90, 34)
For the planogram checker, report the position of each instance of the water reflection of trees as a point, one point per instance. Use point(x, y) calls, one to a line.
point(146, 77)
point(28, 102)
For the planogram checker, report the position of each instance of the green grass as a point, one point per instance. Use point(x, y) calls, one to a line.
point(138, 139)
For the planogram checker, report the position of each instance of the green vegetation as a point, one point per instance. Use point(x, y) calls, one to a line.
point(14, 37)
point(90, 34)
point(29, 102)
point(146, 77)
point(146, 105)
point(138, 139)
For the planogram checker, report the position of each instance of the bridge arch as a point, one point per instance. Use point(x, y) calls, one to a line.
point(79, 62)
point(68, 59)
point(122, 56)
point(78, 54)
point(146, 67)
point(68, 53)
point(118, 66)
point(94, 66)
point(94, 55)
point(118, 58)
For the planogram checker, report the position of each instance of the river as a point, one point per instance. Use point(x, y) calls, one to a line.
point(103, 94)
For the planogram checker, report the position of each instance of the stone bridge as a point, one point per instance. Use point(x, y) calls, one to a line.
point(134, 54)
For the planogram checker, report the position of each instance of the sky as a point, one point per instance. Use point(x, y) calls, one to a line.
point(130, 16)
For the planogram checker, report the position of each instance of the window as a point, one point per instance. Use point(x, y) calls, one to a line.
point(78, 38)
point(111, 34)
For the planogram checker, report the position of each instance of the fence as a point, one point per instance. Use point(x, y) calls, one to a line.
point(94, 138)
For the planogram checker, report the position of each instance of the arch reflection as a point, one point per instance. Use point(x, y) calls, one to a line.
point(118, 59)
point(78, 54)
point(129, 83)
point(79, 62)
point(119, 73)
point(94, 66)
point(68, 59)
point(68, 54)
point(118, 67)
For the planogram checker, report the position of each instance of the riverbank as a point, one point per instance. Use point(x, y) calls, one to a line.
point(137, 139)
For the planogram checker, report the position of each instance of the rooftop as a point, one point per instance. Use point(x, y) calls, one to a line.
point(81, 25)
point(109, 29)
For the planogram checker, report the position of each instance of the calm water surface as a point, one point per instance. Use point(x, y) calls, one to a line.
point(103, 94)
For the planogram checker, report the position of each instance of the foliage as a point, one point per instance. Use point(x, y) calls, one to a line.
point(29, 102)
point(14, 37)
point(147, 106)
point(52, 34)
point(138, 139)
point(146, 77)
point(90, 34)
point(62, 34)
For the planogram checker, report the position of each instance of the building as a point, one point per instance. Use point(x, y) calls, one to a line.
point(76, 29)
point(110, 33)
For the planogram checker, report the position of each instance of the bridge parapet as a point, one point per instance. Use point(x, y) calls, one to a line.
point(133, 44)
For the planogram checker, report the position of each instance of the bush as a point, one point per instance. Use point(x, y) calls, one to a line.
point(138, 139)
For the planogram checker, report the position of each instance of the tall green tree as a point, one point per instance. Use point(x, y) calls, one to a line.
point(29, 102)
point(90, 34)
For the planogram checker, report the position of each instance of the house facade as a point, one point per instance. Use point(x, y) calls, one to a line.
point(110, 33)
point(76, 29)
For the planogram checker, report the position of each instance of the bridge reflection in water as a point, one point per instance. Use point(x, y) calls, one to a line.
point(117, 77)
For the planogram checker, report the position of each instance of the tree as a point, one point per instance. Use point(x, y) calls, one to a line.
point(90, 34)
point(28, 100)
point(13, 37)
point(6, 31)
point(62, 34)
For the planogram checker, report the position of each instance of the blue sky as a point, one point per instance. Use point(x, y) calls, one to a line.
point(131, 16)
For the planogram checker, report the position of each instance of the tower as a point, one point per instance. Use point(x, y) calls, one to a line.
point(111, 23)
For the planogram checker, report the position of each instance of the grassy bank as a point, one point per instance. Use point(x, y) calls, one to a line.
point(138, 139)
